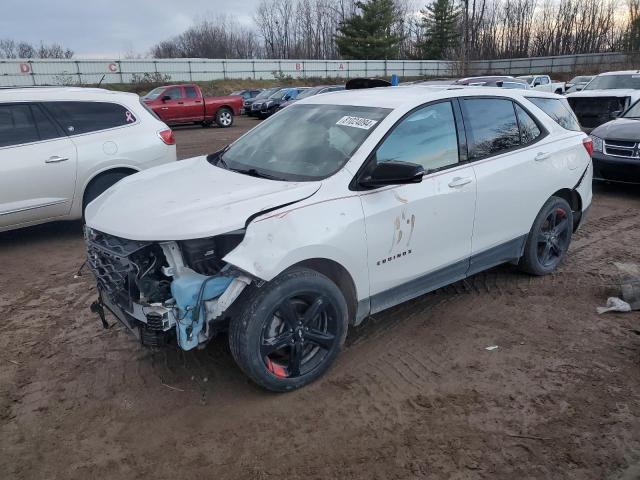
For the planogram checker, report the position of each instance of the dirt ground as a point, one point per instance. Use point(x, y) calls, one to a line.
point(415, 394)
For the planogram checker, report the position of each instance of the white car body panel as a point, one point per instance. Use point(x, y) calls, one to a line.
point(32, 189)
point(614, 92)
point(35, 190)
point(355, 228)
point(189, 199)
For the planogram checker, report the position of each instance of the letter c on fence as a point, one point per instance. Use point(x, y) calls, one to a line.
point(25, 68)
point(113, 67)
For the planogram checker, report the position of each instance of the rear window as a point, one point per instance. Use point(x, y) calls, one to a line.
point(559, 110)
point(84, 117)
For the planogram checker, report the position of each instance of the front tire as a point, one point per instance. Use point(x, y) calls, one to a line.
point(224, 118)
point(549, 238)
point(289, 331)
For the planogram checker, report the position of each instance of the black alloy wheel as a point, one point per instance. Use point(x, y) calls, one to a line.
point(553, 238)
point(300, 334)
point(288, 332)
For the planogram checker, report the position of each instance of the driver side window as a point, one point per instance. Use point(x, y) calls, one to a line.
point(427, 137)
point(174, 93)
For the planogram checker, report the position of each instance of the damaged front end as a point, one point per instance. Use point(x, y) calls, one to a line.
point(166, 292)
point(595, 111)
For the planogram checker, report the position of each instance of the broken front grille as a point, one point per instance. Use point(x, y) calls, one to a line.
point(108, 258)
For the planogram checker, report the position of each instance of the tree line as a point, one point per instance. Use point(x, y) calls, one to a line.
point(12, 49)
point(404, 29)
point(398, 29)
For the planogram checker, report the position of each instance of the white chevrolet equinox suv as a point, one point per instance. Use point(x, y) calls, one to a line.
point(338, 207)
point(62, 147)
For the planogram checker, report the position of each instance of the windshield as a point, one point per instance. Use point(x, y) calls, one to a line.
point(608, 82)
point(310, 92)
point(267, 93)
point(319, 140)
point(153, 94)
point(279, 95)
point(526, 79)
point(633, 111)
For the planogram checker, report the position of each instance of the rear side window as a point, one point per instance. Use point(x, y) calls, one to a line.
point(17, 125)
point(529, 129)
point(46, 127)
point(491, 126)
point(84, 117)
point(559, 110)
point(191, 92)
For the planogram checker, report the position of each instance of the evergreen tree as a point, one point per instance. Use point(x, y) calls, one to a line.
point(369, 34)
point(440, 29)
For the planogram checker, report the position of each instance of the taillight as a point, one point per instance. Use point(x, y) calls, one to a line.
point(167, 136)
point(588, 145)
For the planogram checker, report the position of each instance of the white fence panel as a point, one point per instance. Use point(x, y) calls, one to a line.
point(20, 72)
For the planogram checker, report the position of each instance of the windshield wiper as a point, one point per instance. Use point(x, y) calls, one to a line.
point(217, 160)
point(255, 173)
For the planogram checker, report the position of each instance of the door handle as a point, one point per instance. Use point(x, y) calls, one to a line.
point(542, 156)
point(180, 103)
point(56, 159)
point(460, 182)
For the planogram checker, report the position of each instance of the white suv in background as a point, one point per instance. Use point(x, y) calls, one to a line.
point(60, 148)
point(377, 196)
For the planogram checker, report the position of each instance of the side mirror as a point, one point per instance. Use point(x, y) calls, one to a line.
point(393, 173)
point(165, 98)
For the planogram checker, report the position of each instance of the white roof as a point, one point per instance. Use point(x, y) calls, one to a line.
point(620, 72)
point(414, 95)
point(59, 93)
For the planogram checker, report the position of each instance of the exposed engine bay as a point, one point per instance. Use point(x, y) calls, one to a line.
point(165, 292)
point(595, 111)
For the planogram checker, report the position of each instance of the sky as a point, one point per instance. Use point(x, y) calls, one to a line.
point(110, 28)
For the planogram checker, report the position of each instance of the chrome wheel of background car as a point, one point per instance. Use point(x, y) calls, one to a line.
point(225, 118)
point(299, 335)
point(553, 238)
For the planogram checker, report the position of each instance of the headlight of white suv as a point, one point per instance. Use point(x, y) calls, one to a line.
point(598, 144)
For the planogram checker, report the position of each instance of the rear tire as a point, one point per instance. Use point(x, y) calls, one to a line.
point(289, 332)
point(224, 118)
point(549, 238)
point(98, 185)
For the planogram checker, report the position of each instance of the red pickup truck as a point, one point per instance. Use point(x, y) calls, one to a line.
point(176, 104)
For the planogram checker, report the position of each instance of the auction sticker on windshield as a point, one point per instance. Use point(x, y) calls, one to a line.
point(356, 122)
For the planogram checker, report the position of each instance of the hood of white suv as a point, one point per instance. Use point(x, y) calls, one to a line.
point(615, 92)
point(186, 200)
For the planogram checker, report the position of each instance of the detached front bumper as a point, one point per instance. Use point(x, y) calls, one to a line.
point(615, 169)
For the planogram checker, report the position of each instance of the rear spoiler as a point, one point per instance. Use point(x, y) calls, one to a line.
point(358, 83)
